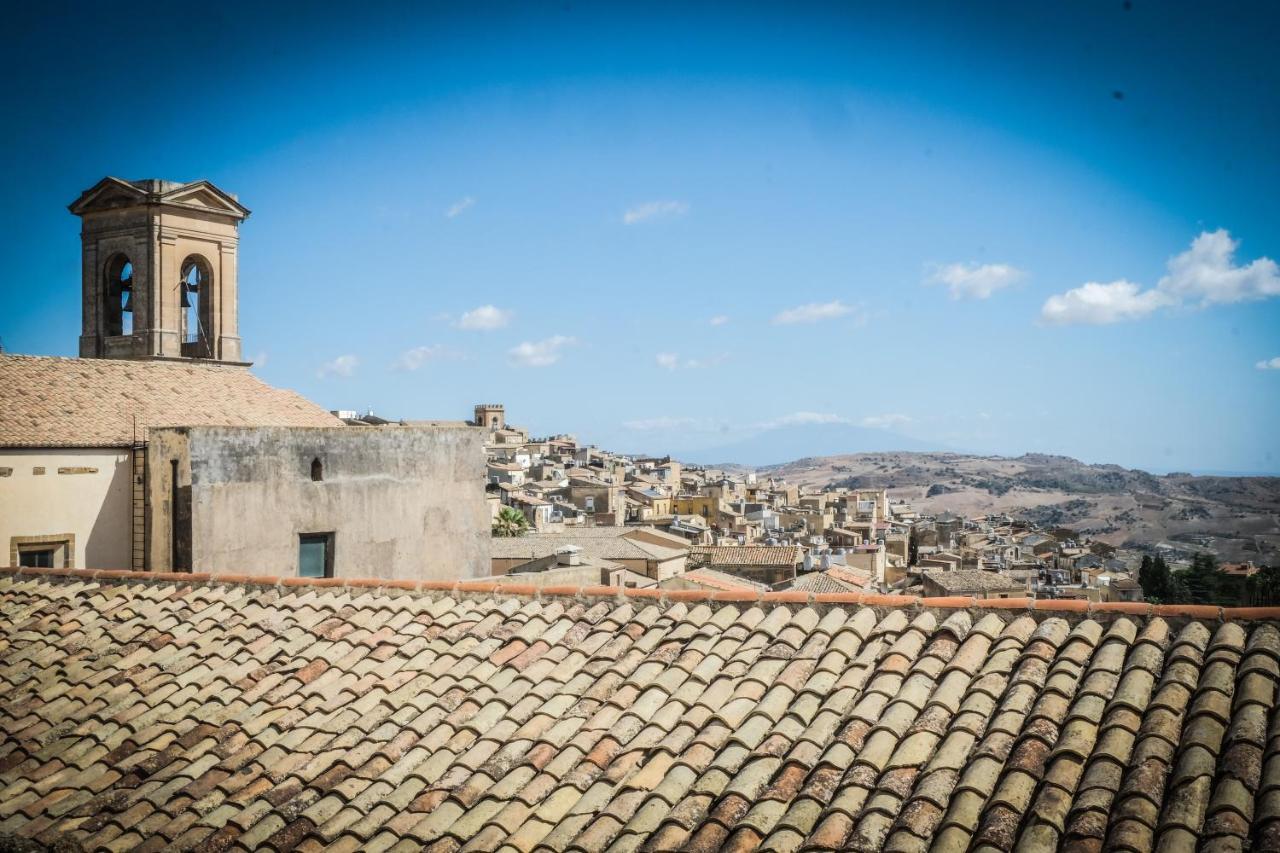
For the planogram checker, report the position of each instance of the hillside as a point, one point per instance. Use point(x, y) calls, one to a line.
point(773, 446)
point(1237, 518)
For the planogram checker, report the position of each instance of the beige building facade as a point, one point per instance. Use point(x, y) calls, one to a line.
point(66, 508)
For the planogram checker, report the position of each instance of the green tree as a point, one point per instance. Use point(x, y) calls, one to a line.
point(1146, 580)
point(1263, 588)
point(1204, 581)
point(510, 522)
point(1179, 592)
point(1158, 583)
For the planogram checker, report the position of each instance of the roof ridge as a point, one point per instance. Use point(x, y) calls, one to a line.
point(480, 586)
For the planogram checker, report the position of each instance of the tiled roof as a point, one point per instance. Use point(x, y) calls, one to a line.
point(854, 577)
point(973, 579)
point(750, 555)
point(712, 579)
point(94, 402)
point(821, 582)
point(831, 580)
point(182, 713)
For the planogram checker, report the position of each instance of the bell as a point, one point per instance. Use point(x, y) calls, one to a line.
point(186, 297)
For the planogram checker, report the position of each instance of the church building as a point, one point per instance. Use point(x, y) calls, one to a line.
point(159, 450)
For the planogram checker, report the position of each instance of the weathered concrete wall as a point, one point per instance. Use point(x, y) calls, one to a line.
point(402, 502)
point(81, 493)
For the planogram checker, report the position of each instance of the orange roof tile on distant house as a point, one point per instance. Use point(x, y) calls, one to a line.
point(850, 576)
point(712, 579)
point(90, 402)
point(821, 582)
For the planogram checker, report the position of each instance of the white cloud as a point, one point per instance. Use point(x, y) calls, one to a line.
point(885, 421)
point(460, 206)
point(343, 365)
point(668, 360)
point(485, 318)
point(539, 353)
point(719, 320)
point(973, 281)
point(653, 210)
point(1269, 364)
point(1206, 274)
point(1099, 304)
point(412, 359)
point(813, 312)
point(260, 360)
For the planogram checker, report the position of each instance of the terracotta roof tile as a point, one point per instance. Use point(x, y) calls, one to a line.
point(213, 716)
point(56, 402)
point(716, 580)
point(784, 556)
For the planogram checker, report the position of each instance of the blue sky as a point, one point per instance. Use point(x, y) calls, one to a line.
point(668, 226)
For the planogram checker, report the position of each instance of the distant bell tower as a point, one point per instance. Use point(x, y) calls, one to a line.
point(490, 415)
point(158, 270)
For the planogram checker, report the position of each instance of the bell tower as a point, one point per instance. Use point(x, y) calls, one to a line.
point(158, 270)
point(490, 415)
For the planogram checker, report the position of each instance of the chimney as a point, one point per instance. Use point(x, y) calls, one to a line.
point(569, 555)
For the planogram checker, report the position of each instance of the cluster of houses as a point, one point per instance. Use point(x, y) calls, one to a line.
point(598, 517)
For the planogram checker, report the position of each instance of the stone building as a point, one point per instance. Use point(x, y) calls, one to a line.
point(490, 415)
point(158, 450)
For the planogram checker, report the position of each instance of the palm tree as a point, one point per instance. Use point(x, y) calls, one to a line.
point(510, 522)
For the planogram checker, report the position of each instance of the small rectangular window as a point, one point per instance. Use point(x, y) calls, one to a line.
point(36, 559)
point(52, 551)
point(315, 555)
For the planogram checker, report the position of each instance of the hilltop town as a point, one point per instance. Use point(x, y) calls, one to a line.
point(567, 513)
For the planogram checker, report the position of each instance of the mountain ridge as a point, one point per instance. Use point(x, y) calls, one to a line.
point(1235, 517)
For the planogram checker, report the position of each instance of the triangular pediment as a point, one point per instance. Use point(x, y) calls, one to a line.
point(108, 193)
point(205, 196)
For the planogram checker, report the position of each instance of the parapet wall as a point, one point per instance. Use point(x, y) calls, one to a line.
point(1071, 610)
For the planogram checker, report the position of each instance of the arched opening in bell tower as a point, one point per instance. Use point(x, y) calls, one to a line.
point(117, 296)
point(194, 307)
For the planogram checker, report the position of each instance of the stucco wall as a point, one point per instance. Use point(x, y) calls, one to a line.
point(402, 502)
point(92, 505)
